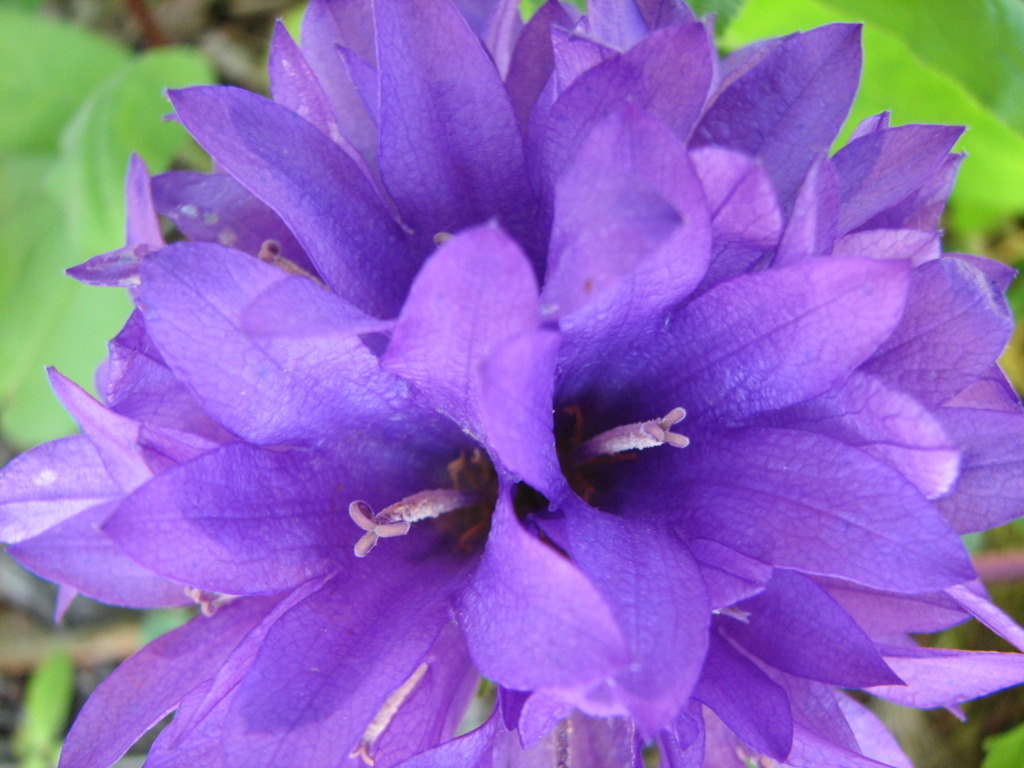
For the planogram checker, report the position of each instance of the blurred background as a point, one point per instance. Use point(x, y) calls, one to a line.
point(81, 87)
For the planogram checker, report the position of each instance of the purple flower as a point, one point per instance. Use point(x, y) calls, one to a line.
point(558, 354)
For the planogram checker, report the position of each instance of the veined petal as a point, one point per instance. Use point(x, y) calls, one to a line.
point(532, 619)
point(476, 292)
point(759, 342)
point(654, 587)
point(163, 672)
point(77, 553)
point(329, 665)
point(882, 168)
point(451, 154)
point(317, 190)
point(788, 104)
point(50, 483)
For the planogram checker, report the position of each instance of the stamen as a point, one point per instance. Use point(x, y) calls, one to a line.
point(270, 253)
point(635, 437)
point(397, 519)
point(442, 237)
point(208, 602)
point(733, 612)
point(384, 717)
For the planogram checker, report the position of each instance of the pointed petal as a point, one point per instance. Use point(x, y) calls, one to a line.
point(656, 593)
point(990, 490)
point(244, 520)
point(751, 489)
point(795, 626)
point(916, 245)
point(921, 209)
point(477, 291)
point(933, 354)
point(516, 394)
point(989, 614)
point(267, 387)
point(77, 553)
point(811, 229)
point(151, 683)
point(323, 197)
point(787, 107)
point(755, 708)
point(451, 154)
point(882, 614)
point(532, 619)
point(475, 749)
point(873, 737)
point(617, 23)
point(533, 61)
point(765, 341)
point(115, 437)
point(745, 218)
point(293, 84)
point(328, 665)
point(630, 219)
point(937, 677)
point(667, 75)
point(326, 25)
point(882, 168)
point(50, 483)
point(885, 423)
point(433, 710)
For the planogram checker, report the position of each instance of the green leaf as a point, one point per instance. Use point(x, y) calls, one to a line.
point(988, 189)
point(47, 68)
point(724, 10)
point(69, 208)
point(1005, 750)
point(979, 43)
point(47, 704)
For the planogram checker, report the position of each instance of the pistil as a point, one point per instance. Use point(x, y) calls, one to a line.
point(634, 437)
point(397, 519)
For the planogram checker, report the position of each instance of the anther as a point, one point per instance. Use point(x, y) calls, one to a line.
point(397, 519)
point(635, 437)
point(208, 602)
point(270, 253)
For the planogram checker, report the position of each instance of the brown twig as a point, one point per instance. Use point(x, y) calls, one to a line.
point(151, 34)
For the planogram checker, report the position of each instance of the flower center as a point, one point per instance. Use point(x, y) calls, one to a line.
point(473, 490)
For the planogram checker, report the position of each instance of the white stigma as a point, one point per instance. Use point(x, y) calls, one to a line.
point(635, 437)
point(384, 717)
point(397, 519)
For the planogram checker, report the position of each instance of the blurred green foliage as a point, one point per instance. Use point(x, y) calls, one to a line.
point(47, 704)
point(76, 105)
point(1005, 750)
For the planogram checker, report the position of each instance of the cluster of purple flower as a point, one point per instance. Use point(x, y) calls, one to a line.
point(661, 420)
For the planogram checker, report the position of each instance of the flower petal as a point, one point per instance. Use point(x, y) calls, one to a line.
point(77, 553)
point(811, 228)
point(795, 626)
point(658, 598)
point(882, 168)
point(532, 619)
point(759, 342)
point(266, 387)
point(934, 355)
point(451, 154)
point(214, 208)
point(319, 192)
point(755, 708)
point(477, 291)
point(246, 520)
point(151, 683)
point(990, 489)
point(328, 665)
point(50, 483)
point(787, 107)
